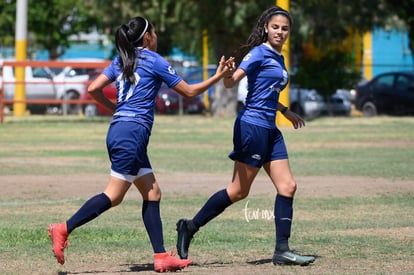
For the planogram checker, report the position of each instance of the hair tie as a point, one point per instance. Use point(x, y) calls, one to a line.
point(142, 34)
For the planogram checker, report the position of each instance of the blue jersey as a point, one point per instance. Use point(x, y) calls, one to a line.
point(136, 101)
point(267, 77)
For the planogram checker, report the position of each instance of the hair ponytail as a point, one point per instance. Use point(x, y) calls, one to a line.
point(127, 53)
point(127, 38)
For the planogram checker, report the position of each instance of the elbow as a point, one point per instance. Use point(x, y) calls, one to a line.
point(190, 96)
point(190, 93)
point(92, 89)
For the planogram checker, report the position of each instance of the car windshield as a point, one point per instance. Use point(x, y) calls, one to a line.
point(56, 71)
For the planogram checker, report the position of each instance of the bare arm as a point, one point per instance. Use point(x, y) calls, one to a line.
point(296, 119)
point(95, 90)
point(231, 80)
point(192, 90)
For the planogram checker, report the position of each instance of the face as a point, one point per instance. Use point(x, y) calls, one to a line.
point(151, 40)
point(278, 30)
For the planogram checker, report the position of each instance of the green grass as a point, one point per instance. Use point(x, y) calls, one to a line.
point(365, 231)
point(377, 147)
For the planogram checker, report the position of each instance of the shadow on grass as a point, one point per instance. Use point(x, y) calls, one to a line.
point(125, 268)
point(141, 267)
point(267, 261)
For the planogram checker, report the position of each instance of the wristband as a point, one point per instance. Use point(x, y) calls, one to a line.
point(284, 109)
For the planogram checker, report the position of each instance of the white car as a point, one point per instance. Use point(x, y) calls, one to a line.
point(50, 84)
point(70, 83)
point(39, 85)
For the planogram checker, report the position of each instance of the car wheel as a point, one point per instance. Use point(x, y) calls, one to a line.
point(71, 109)
point(369, 109)
point(91, 110)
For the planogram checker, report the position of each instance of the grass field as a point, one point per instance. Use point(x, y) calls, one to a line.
point(50, 165)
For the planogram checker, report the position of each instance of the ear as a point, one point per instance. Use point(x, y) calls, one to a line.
point(147, 39)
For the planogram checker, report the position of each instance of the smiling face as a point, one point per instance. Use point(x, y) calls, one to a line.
point(278, 29)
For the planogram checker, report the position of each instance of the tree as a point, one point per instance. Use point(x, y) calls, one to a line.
point(325, 25)
point(404, 12)
point(53, 21)
point(228, 24)
point(7, 22)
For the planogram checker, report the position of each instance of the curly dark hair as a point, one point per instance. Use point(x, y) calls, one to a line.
point(258, 35)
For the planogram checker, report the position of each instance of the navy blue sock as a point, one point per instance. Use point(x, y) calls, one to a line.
point(214, 206)
point(89, 211)
point(283, 221)
point(152, 221)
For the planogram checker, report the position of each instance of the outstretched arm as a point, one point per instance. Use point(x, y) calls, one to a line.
point(192, 90)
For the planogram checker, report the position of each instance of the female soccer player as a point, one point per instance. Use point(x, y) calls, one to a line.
point(138, 72)
point(257, 141)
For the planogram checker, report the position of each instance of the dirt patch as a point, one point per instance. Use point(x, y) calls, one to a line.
point(83, 186)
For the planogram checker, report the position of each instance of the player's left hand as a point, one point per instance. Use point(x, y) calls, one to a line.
point(297, 120)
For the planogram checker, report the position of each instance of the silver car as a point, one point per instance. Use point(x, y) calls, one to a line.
point(305, 102)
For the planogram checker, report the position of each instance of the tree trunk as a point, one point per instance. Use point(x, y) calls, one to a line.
point(224, 101)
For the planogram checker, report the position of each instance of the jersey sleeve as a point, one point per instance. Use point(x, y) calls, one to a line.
point(166, 72)
point(111, 71)
point(251, 61)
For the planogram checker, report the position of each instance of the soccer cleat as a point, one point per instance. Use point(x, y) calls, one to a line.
point(184, 238)
point(167, 262)
point(291, 258)
point(58, 233)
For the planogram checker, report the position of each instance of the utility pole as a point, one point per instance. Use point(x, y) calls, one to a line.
point(205, 67)
point(284, 95)
point(19, 108)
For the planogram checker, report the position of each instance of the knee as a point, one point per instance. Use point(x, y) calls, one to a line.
point(116, 200)
point(155, 196)
point(237, 195)
point(152, 194)
point(288, 189)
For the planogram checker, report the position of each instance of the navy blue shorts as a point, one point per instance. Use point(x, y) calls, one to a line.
point(255, 145)
point(127, 143)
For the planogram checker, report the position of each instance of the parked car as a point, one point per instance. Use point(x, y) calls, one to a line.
point(196, 75)
point(39, 86)
point(43, 83)
point(305, 102)
point(70, 82)
point(339, 104)
point(390, 93)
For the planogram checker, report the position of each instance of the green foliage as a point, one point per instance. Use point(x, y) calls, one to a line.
point(228, 23)
point(7, 22)
point(54, 21)
point(332, 71)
